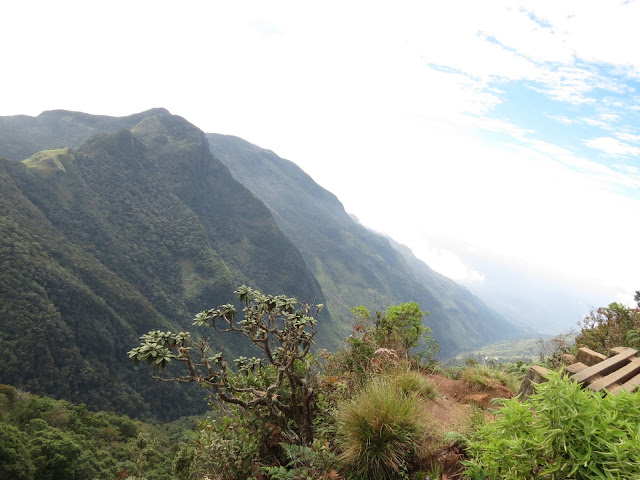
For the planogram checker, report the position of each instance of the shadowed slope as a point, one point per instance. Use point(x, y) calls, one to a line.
point(133, 230)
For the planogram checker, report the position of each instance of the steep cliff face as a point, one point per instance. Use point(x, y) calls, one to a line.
point(353, 264)
point(132, 230)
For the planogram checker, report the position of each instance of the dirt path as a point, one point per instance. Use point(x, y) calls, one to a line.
point(450, 411)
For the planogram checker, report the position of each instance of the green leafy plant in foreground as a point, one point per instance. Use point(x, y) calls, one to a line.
point(560, 432)
point(305, 463)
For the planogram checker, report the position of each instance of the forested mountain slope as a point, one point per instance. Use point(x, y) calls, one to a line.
point(353, 264)
point(133, 230)
point(111, 227)
point(21, 135)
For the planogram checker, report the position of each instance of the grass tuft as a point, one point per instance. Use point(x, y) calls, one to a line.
point(482, 376)
point(380, 431)
point(412, 382)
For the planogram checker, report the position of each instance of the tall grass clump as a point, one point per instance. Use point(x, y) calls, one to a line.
point(412, 382)
point(380, 431)
point(484, 376)
point(561, 432)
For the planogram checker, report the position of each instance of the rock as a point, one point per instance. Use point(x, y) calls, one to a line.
point(535, 375)
point(479, 399)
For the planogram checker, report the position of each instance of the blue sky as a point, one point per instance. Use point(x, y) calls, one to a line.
point(476, 133)
point(599, 123)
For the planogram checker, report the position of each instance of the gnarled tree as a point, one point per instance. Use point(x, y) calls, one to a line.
point(282, 327)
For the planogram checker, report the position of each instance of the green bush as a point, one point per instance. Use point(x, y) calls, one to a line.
point(305, 463)
point(380, 431)
point(385, 341)
point(560, 432)
point(609, 327)
point(229, 447)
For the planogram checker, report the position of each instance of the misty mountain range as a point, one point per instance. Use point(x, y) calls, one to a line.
point(114, 226)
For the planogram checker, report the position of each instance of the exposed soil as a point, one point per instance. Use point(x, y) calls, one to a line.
point(450, 412)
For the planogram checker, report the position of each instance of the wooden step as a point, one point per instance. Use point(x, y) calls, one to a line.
point(605, 367)
point(630, 385)
point(589, 357)
point(574, 368)
point(618, 376)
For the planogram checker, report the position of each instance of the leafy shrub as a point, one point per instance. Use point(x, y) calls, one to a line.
point(354, 358)
point(380, 431)
point(633, 339)
point(374, 341)
point(560, 432)
point(315, 462)
point(400, 327)
point(608, 327)
point(227, 448)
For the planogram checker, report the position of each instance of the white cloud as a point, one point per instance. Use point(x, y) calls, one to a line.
point(612, 146)
point(563, 119)
point(628, 137)
point(567, 84)
point(609, 117)
point(495, 125)
point(444, 260)
point(598, 175)
point(593, 122)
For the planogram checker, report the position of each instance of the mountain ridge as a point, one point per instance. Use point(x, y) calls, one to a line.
point(329, 238)
point(131, 231)
point(114, 226)
point(21, 135)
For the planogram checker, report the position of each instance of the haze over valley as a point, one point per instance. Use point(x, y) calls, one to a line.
point(332, 240)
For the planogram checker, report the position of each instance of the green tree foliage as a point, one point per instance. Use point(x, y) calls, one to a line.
point(55, 453)
point(15, 461)
point(281, 327)
point(399, 329)
point(612, 326)
point(42, 438)
point(561, 432)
